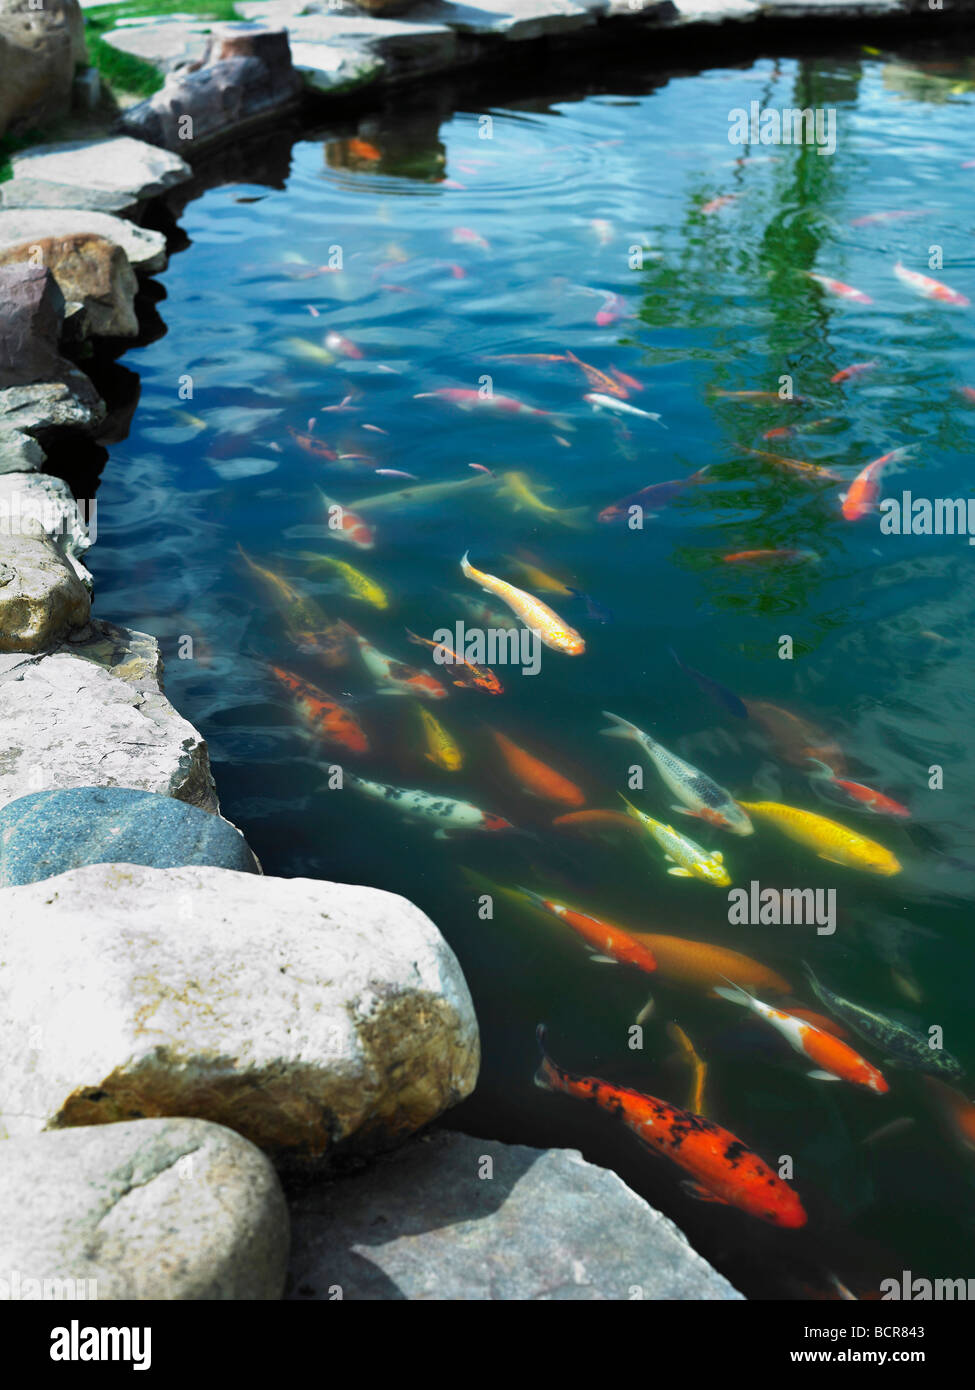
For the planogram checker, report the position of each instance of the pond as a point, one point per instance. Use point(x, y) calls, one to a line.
point(614, 264)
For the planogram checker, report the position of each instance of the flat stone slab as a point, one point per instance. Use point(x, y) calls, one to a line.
point(304, 1015)
point(111, 175)
point(50, 832)
point(169, 1209)
point(92, 713)
point(145, 249)
point(450, 1217)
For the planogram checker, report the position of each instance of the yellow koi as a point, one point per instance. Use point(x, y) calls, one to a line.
point(308, 351)
point(689, 860)
point(280, 587)
point(518, 487)
point(831, 841)
point(536, 615)
point(699, 1069)
point(358, 584)
point(537, 578)
point(442, 748)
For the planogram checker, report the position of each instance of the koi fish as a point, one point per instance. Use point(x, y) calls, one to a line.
point(305, 622)
point(309, 352)
point(864, 796)
point(861, 499)
point(464, 236)
point(830, 840)
point(598, 820)
point(606, 941)
point(828, 1025)
point(901, 1044)
point(876, 218)
point(928, 288)
point(701, 796)
point(699, 1071)
point(466, 398)
point(835, 1060)
point(325, 717)
point(536, 615)
point(358, 585)
point(787, 431)
point(312, 445)
point(810, 471)
point(719, 693)
point(624, 379)
point(838, 288)
point(701, 965)
point(689, 859)
point(649, 499)
point(716, 204)
point(346, 525)
point(395, 677)
point(613, 309)
point(538, 579)
point(596, 378)
point(796, 739)
point(956, 1109)
point(769, 557)
point(535, 777)
point(450, 815)
point(854, 369)
point(429, 492)
point(518, 487)
point(362, 149)
point(394, 473)
point(601, 402)
point(757, 397)
point(442, 749)
point(722, 1168)
point(473, 676)
point(527, 357)
point(343, 347)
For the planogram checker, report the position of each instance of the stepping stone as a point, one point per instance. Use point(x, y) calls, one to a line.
point(112, 175)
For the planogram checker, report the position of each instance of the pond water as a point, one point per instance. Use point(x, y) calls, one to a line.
point(443, 253)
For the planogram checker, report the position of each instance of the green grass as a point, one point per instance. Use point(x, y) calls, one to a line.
point(13, 144)
point(121, 71)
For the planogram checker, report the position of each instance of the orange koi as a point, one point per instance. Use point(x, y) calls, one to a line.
point(630, 382)
point(602, 938)
point(796, 739)
point(395, 677)
point(768, 557)
point(854, 369)
point(866, 796)
point(701, 965)
point(471, 676)
point(810, 471)
point(346, 525)
point(608, 820)
point(327, 719)
point(722, 1168)
point(716, 204)
point(312, 445)
point(861, 499)
point(362, 149)
point(599, 379)
point(536, 777)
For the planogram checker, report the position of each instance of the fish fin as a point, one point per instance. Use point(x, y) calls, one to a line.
point(818, 1075)
point(603, 960)
point(622, 728)
point(680, 873)
point(701, 1194)
point(648, 1010)
point(718, 855)
point(734, 993)
point(685, 811)
point(830, 860)
point(825, 772)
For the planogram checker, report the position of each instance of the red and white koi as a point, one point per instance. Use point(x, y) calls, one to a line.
point(346, 525)
point(929, 288)
point(448, 814)
point(344, 347)
point(465, 398)
point(716, 204)
point(466, 236)
point(600, 402)
point(394, 677)
point(864, 796)
point(854, 369)
point(837, 287)
point(834, 1059)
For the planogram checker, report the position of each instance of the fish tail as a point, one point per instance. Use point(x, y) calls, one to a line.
point(631, 809)
point(562, 422)
point(412, 637)
point(467, 569)
point(534, 898)
point(734, 993)
point(547, 1076)
point(622, 728)
point(824, 773)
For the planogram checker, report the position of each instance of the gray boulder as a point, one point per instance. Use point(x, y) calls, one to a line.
point(157, 1209)
point(449, 1217)
point(40, 47)
point(113, 175)
point(145, 248)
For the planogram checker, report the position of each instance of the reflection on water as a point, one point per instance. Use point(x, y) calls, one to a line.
point(521, 290)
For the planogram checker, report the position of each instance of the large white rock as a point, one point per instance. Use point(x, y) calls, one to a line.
point(111, 175)
point(145, 248)
point(156, 1209)
point(44, 588)
point(92, 713)
point(305, 1015)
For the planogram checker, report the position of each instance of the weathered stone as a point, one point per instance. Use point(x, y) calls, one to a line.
point(31, 318)
point(247, 76)
point(49, 833)
point(305, 1015)
point(40, 47)
point(426, 1223)
point(110, 175)
point(90, 270)
point(157, 1209)
point(19, 453)
point(41, 505)
point(333, 68)
point(46, 406)
point(43, 590)
point(92, 713)
point(145, 248)
point(166, 43)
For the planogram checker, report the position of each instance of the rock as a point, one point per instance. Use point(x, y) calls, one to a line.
point(305, 1015)
point(40, 48)
point(31, 319)
point(92, 713)
point(332, 68)
point(50, 832)
point(19, 453)
point(247, 77)
point(145, 249)
point(111, 175)
point(425, 1223)
point(166, 43)
point(91, 270)
point(156, 1209)
point(48, 406)
point(43, 589)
